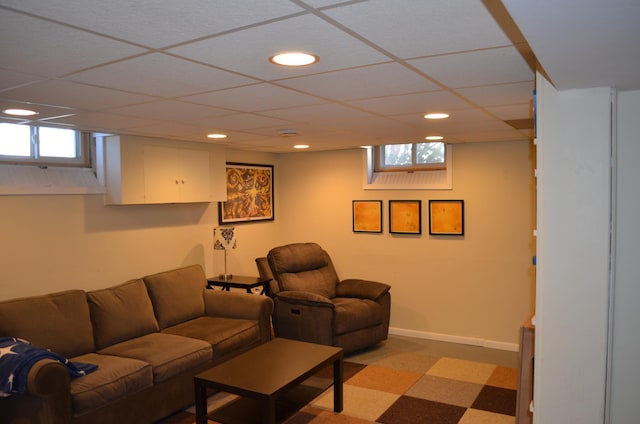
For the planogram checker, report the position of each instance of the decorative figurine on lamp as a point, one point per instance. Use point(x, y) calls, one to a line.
point(224, 238)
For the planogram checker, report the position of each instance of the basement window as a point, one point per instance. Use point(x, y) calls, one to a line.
point(410, 166)
point(43, 146)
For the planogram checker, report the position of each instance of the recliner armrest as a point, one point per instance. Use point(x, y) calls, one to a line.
point(304, 298)
point(363, 289)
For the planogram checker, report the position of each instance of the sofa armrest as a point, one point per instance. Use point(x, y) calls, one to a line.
point(218, 303)
point(362, 289)
point(304, 298)
point(48, 396)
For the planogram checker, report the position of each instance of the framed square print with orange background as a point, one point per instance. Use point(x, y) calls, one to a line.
point(405, 216)
point(446, 217)
point(367, 216)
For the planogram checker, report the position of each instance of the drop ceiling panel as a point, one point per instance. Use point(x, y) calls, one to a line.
point(11, 79)
point(381, 80)
point(170, 110)
point(161, 75)
point(252, 98)
point(103, 122)
point(241, 52)
point(241, 122)
point(416, 103)
point(484, 67)
point(322, 115)
point(410, 28)
point(498, 95)
point(69, 94)
point(49, 49)
point(157, 23)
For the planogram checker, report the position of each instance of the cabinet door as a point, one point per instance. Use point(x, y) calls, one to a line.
point(176, 175)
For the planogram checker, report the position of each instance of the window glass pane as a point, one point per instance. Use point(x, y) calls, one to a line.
point(57, 143)
point(397, 154)
point(15, 140)
point(429, 153)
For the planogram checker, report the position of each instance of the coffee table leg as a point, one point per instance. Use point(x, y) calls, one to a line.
point(201, 403)
point(337, 385)
point(268, 410)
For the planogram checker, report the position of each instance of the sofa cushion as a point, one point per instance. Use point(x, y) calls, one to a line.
point(355, 314)
point(58, 321)
point(168, 354)
point(177, 295)
point(115, 378)
point(226, 335)
point(121, 313)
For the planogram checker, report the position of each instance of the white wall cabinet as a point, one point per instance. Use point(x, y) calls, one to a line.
point(176, 175)
point(147, 171)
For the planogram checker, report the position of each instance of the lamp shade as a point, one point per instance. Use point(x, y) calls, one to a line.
point(224, 238)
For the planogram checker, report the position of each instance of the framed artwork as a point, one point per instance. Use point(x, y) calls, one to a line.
point(446, 217)
point(367, 216)
point(249, 194)
point(405, 216)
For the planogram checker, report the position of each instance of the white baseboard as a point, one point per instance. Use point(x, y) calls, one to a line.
point(492, 344)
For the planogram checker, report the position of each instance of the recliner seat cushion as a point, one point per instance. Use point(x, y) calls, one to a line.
point(355, 314)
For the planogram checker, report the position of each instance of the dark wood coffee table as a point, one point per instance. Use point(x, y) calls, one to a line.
point(267, 371)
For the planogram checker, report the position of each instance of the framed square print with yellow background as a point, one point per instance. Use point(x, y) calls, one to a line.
point(405, 216)
point(367, 216)
point(446, 217)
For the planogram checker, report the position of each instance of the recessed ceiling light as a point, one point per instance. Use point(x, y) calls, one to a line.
point(294, 59)
point(434, 137)
point(301, 146)
point(20, 112)
point(217, 136)
point(436, 115)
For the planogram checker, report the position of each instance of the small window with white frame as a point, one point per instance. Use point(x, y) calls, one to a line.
point(43, 146)
point(410, 157)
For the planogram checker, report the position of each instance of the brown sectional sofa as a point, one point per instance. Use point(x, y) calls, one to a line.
point(148, 336)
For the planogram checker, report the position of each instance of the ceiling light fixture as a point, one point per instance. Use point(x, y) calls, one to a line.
point(436, 115)
point(294, 59)
point(217, 136)
point(301, 146)
point(20, 112)
point(434, 137)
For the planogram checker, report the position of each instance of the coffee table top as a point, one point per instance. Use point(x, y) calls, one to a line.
point(271, 367)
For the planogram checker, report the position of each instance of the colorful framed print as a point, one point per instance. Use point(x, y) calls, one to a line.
point(249, 194)
point(446, 217)
point(367, 216)
point(405, 216)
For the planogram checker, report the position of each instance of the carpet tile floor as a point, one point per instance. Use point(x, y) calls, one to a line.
point(401, 381)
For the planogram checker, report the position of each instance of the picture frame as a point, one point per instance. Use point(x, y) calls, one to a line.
point(367, 216)
point(446, 217)
point(405, 216)
point(250, 194)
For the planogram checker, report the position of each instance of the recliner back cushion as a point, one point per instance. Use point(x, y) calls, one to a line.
point(58, 321)
point(177, 295)
point(305, 267)
point(121, 313)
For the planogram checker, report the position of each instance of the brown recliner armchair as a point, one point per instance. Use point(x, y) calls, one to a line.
point(311, 303)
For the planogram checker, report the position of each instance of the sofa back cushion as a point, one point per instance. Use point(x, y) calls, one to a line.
point(58, 321)
point(121, 313)
point(305, 267)
point(177, 294)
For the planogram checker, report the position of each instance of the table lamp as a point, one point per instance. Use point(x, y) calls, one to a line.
point(224, 238)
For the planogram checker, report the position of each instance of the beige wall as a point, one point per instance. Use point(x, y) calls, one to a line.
point(475, 288)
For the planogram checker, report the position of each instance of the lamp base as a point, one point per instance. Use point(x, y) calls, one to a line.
point(225, 276)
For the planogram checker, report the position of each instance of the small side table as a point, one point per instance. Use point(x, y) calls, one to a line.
point(240, 282)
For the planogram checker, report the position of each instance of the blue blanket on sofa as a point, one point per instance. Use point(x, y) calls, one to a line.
point(18, 356)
